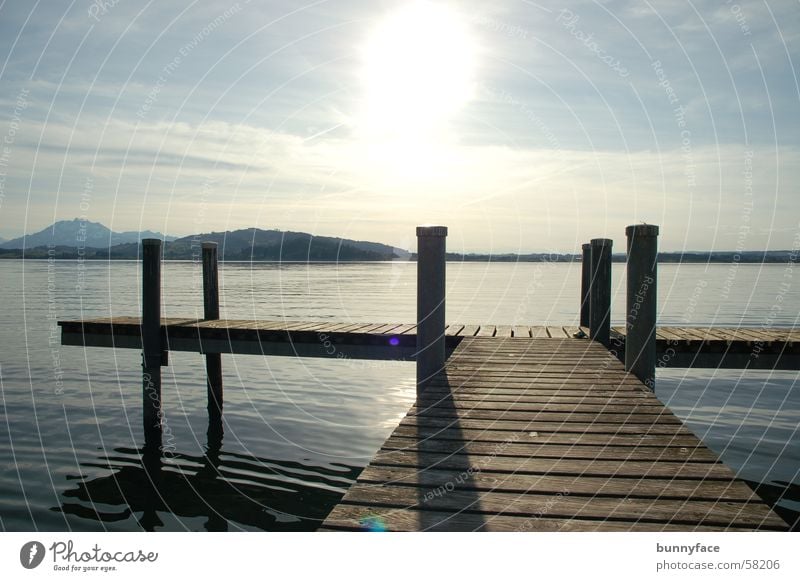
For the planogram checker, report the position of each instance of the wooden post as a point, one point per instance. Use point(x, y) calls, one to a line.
point(586, 277)
point(211, 312)
point(640, 324)
point(431, 254)
point(151, 343)
point(600, 291)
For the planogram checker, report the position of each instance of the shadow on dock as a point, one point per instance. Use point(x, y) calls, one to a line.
point(230, 491)
point(456, 494)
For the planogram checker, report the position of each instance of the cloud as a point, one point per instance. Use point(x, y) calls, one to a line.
point(260, 114)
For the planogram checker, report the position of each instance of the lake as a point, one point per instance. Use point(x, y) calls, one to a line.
point(298, 431)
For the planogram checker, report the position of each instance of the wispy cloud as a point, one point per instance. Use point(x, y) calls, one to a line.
point(258, 106)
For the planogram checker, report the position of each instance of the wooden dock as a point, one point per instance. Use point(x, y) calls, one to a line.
point(514, 427)
point(732, 347)
point(534, 434)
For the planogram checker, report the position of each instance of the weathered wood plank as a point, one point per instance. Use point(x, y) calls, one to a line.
point(453, 330)
point(346, 517)
point(503, 331)
point(568, 506)
point(543, 426)
point(469, 330)
point(513, 448)
point(520, 331)
point(653, 467)
point(594, 486)
point(485, 331)
point(539, 332)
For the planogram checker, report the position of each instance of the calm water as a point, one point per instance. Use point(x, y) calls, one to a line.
point(298, 431)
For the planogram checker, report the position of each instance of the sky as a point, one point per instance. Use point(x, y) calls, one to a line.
point(521, 126)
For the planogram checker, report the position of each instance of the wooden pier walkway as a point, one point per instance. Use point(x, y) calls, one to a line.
point(735, 347)
point(514, 427)
point(533, 434)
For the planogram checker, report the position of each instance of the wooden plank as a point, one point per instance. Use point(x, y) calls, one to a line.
point(453, 329)
point(538, 390)
point(402, 329)
point(594, 486)
point(757, 335)
point(690, 333)
point(503, 331)
point(512, 448)
point(539, 332)
point(386, 328)
point(593, 439)
point(669, 334)
point(524, 397)
point(469, 330)
point(372, 328)
point(665, 417)
point(453, 403)
point(543, 426)
point(572, 330)
point(485, 331)
point(355, 517)
point(520, 331)
point(654, 467)
point(733, 515)
point(557, 332)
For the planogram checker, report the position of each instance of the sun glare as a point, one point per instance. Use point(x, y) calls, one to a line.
point(417, 71)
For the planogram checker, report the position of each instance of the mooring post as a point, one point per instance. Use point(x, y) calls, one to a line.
point(431, 254)
point(600, 291)
point(211, 312)
point(151, 342)
point(640, 324)
point(586, 277)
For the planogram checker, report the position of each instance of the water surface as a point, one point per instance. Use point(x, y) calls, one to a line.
point(298, 431)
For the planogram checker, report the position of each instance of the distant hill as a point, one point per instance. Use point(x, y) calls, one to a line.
point(248, 244)
point(255, 244)
point(75, 233)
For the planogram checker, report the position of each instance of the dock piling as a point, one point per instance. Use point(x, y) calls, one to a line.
point(151, 343)
point(586, 277)
point(600, 291)
point(211, 312)
point(641, 309)
point(431, 255)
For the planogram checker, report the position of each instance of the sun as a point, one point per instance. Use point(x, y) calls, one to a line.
point(417, 72)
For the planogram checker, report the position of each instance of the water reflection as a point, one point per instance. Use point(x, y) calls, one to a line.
point(229, 491)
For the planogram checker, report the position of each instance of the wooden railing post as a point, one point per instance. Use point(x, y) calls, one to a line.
point(431, 255)
point(151, 343)
point(640, 324)
point(600, 291)
point(586, 277)
point(211, 312)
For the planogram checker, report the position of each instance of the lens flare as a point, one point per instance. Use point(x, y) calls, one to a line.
point(373, 524)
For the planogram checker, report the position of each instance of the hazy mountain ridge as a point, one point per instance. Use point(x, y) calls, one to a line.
point(79, 233)
point(72, 239)
point(255, 244)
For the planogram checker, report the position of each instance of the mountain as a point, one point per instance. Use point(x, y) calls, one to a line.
point(257, 244)
point(76, 233)
point(270, 245)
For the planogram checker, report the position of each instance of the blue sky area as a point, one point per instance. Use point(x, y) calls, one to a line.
point(522, 126)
